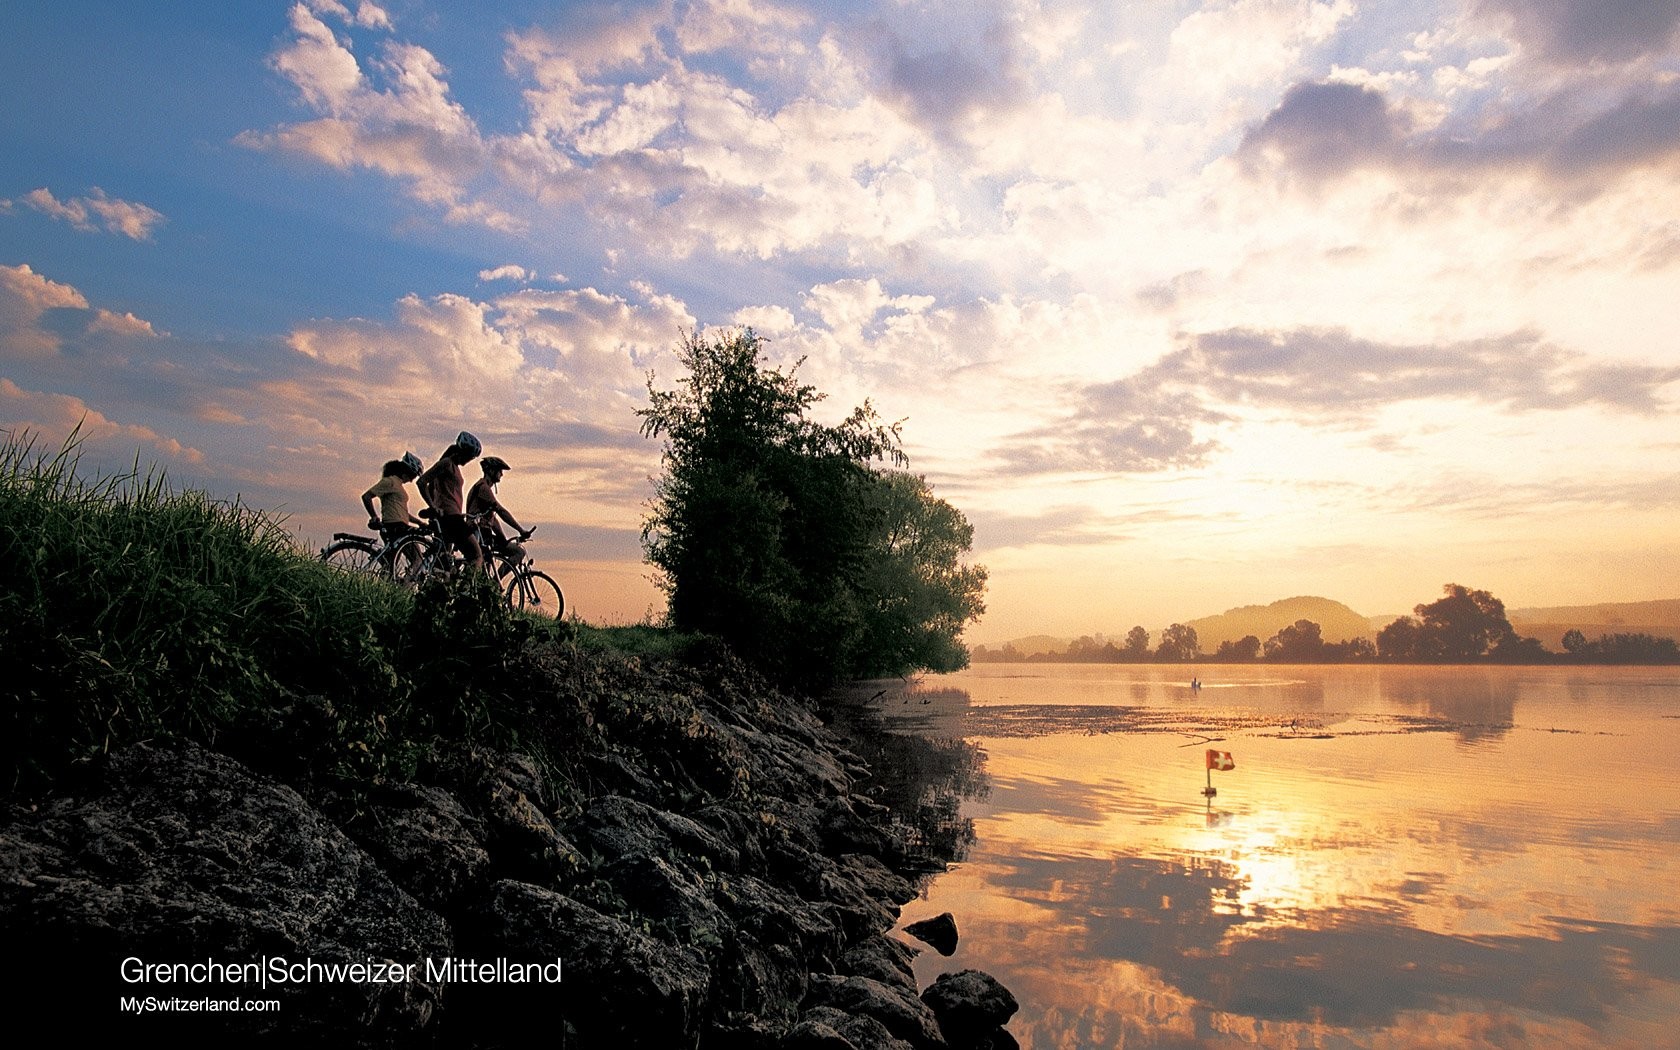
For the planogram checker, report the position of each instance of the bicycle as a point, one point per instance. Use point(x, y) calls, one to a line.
point(524, 587)
point(357, 554)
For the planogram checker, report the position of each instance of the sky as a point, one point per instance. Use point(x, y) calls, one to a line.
point(1186, 304)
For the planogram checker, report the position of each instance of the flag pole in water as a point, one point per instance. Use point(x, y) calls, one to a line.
point(1220, 760)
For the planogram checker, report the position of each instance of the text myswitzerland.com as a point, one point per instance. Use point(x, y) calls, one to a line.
point(152, 1004)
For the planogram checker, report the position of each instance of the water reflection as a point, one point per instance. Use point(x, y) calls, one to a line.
point(922, 777)
point(1482, 702)
point(1374, 882)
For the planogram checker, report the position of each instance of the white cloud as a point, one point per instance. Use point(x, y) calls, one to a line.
point(95, 211)
point(123, 324)
point(508, 272)
point(25, 297)
point(398, 119)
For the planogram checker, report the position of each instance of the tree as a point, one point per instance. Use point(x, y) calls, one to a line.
point(1351, 649)
point(1463, 625)
point(1301, 642)
point(917, 594)
point(1243, 649)
point(1574, 641)
point(1137, 644)
point(1178, 644)
point(1399, 640)
point(779, 535)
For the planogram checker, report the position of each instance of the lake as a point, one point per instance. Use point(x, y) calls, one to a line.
point(1401, 857)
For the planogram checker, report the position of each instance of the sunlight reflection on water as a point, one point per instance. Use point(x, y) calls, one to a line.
point(1402, 856)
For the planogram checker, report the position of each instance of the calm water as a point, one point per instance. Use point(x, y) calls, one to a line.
point(1402, 857)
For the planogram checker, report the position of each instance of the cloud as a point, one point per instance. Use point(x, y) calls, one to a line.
point(54, 417)
point(509, 272)
point(949, 90)
point(397, 118)
point(1571, 136)
point(124, 324)
point(94, 212)
point(367, 14)
point(1118, 428)
point(25, 298)
point(1586, 32)
point(1324, 129)
point(1329, 373)
point(1159, 418)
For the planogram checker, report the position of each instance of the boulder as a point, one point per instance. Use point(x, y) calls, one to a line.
point(971, 1007)
point(883, 958)
point(615, 826)
point(939, 933)
point(621, 987)
point(671, 898)
point(896, 1008)
point(839, 1030)
point(426, 841)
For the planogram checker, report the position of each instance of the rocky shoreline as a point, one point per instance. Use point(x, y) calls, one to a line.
point(681, 912)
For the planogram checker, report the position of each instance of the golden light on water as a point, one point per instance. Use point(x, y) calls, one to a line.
point(1396, 852)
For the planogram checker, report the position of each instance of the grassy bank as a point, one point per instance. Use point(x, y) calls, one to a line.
point(135, 611)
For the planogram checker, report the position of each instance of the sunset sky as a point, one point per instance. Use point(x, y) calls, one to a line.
point(1186, 305)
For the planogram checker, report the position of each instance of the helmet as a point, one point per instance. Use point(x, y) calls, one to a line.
point(494, 463)
point(412, 462)
point(468, 442)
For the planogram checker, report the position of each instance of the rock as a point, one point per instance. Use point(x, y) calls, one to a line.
point(178, 854)
point(513, 799)
point(904, 1015)
point(939, 933)
point(883, 958)
point(860, 1032)
point(670, 898)
point(615, 826)
point(814, 1035)
point(879, 880)
point(842, 830)
point(971, 1006)
point(425, 840)
point(621, 987)
point(771, 915)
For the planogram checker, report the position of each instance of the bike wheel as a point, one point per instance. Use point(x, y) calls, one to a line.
point(355, 556)
point(536, 592)
point(416, 558)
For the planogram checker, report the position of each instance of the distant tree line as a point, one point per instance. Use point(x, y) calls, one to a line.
point(1463, 626)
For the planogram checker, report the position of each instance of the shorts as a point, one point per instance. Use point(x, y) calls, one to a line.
point(454, 528)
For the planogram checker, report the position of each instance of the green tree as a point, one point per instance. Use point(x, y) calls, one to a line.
point(778, 534)
point(915, 590)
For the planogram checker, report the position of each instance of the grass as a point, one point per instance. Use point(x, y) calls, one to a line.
point(132, 611)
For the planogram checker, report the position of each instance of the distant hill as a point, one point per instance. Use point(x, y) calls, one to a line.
point(1033, 644)
point(1337, 622)
point(1660, 618)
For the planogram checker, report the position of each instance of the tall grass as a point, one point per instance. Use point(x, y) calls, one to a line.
point(130, 610)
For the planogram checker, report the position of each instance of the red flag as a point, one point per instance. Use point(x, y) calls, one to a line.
point(1220, 760)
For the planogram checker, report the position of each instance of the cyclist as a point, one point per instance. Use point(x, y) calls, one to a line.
point(482, 500)
point(441, 487)
point(393, 519)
